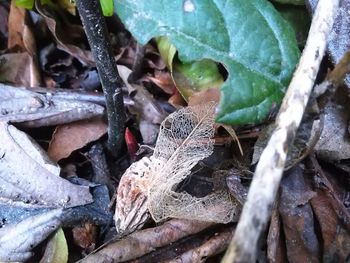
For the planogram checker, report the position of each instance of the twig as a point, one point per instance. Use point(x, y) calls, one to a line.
point(213, 246)
point(257, 210)
point(96, 32)
point(145, 241)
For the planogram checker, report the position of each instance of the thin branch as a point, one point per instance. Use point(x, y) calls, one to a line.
point(96, 32)
point(268, 174)
point(145, 241)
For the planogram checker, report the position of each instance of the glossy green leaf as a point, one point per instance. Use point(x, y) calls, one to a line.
point(189, 77)
point(107, 7)
point(249, 37)
point(299, 19)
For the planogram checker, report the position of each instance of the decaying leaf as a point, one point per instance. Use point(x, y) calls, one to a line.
point(302, 244)
point(17, 241)
point(339, 39)
point(146, 108)
point(65, 33)
point(67, 138)
point(149, 185)
point(334, 143)
point(34, 109)
point(21, 38)
point(27, 174)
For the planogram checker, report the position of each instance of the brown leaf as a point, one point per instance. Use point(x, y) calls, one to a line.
point(16, 24)
point(14, 68)
point(21, 38)
point(336, 238)
point(72, 136)
point(297, 218)
point(66, 34)
point(27, 174)
point(85, 236)
point(211, 94)
point(163, 80)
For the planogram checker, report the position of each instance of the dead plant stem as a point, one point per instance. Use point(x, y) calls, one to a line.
point(257, 210)
point(97, 34)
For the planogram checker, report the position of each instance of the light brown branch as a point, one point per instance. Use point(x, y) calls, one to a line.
point(268, 174)
point(142, 242)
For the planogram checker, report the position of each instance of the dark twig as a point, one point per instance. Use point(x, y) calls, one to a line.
point(96, 31)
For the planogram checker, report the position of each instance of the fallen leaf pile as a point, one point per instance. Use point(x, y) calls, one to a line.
point(175, 190)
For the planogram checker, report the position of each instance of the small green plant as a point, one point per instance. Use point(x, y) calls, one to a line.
point(106, 5)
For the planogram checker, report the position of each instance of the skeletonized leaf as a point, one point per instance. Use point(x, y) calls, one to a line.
point(27, 174)
point(34, 109)
point(185, 139)
point(17, 241)
point(149, 185)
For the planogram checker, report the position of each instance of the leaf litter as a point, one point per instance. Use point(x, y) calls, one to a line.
point(311, 215)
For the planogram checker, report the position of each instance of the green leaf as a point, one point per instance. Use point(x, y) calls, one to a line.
point(293, 2)
point(56, 249)
point(189, 77)
point(28, 4)
point(249, 37)
point(299, 19)
point(107, 7)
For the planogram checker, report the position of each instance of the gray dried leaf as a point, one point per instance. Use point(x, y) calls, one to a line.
point(27, 174)
point(339, 38)
point(148, 111)
point(34, 109)
point(18, 240)
point(334, 143)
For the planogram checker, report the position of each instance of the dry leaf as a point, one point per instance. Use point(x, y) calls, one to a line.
point(72, 136)
point(14, 68)
point(334, 143)
point(146, 108)
point(65, 33)
point(85, 236)
point(17, 241)
point(36, 109)
point(21, 38)
point(149, 184)
point(27, 174)
point(145, 241)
